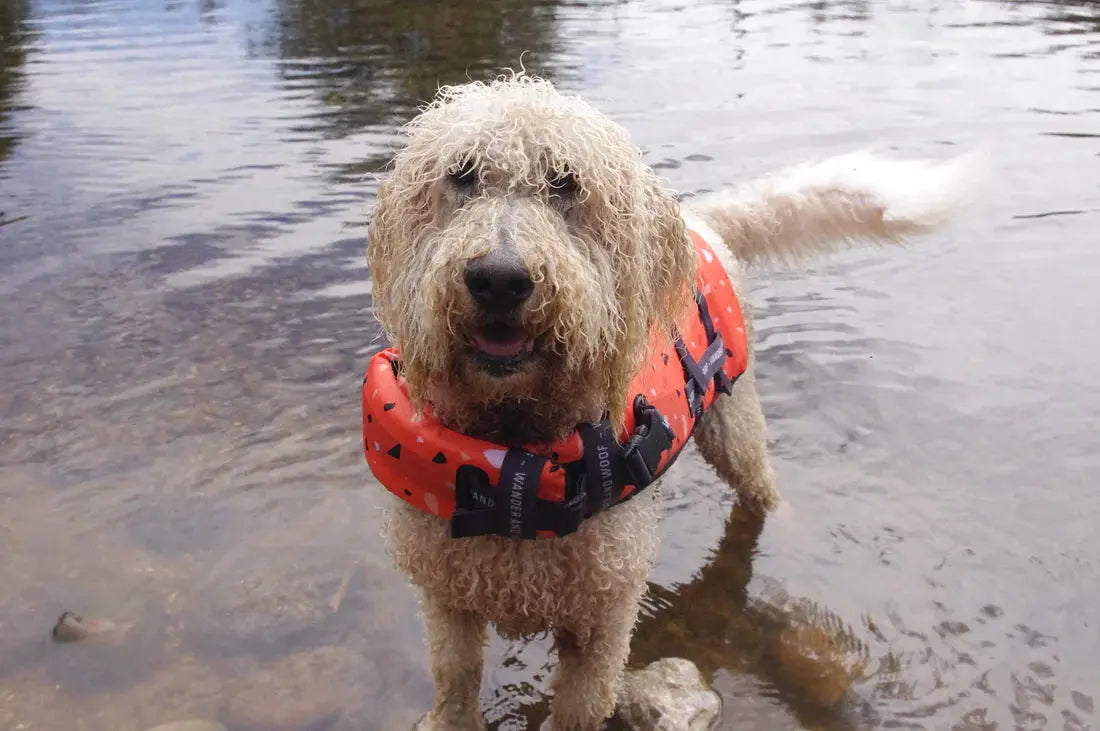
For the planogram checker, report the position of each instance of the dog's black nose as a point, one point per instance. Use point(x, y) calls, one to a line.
point(498, 283)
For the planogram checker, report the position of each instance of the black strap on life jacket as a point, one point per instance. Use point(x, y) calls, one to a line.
point(709, 368)
point(509, 509)
point(610, 466)
point(512, 507)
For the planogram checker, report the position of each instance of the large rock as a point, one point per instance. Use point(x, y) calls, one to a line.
point(668, 695)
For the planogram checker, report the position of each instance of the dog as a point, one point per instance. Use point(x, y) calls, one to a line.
point(522, 255)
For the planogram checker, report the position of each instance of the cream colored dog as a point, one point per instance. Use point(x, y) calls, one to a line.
point(540, 193)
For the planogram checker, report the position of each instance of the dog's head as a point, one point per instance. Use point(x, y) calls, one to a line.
point(521, 254)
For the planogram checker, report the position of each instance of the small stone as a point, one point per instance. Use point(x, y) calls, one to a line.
point(69, 628)
point(189, 726)
point(668, 695)
point(73, 628)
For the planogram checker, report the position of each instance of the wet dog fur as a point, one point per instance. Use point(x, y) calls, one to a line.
point(515, 176)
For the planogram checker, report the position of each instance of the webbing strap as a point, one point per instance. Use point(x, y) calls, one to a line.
point(722, 381)
point(518, 489)
point(509, 509)
point(610, 466)
point(474, 502)
point(603, 478)
point(709, 368)
point(513, 509)
point(561, 518)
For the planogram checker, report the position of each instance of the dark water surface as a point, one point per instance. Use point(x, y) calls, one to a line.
point(186, 312)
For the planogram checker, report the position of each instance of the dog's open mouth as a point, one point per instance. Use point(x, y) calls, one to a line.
point(501, 348)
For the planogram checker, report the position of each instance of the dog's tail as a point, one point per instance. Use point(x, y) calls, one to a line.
point(818, 208)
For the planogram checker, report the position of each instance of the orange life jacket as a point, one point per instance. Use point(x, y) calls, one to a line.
point(546, 490)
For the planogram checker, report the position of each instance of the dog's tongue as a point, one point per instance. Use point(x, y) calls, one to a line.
point(503, 347)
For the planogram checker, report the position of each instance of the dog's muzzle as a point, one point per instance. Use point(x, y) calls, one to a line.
point(499, 284)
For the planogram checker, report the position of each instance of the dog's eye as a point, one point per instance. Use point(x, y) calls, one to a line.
point(464, 175)
point(564, 184)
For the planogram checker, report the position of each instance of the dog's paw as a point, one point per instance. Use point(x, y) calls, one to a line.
point(759, 496)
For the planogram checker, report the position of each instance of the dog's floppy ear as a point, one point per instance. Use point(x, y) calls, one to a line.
point(403, 211)
point(671, 255)
point(655, 280)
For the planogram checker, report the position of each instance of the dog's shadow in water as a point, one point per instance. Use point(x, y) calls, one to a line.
point(777, 661)
point(802, 657)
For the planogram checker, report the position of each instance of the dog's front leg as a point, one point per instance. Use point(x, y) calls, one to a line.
point(457, 641)
point(590, 672)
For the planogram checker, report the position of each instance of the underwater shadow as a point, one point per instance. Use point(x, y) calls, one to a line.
point(801, 658)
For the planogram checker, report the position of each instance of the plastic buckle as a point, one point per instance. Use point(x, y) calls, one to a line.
point(636, 464)
point(646, 434)
point(649, 417)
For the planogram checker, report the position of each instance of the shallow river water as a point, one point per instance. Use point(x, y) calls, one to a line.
point(185, 315)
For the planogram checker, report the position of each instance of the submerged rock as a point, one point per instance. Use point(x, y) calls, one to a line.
point(668, 695)
point(73, 628)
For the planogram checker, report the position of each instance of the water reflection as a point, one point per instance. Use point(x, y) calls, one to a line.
point(1058, 17)
point(802, 656)
point(371, 62)
point(824, 11)
point(13, 55)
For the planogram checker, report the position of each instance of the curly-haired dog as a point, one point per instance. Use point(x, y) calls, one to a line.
point(522, 184)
